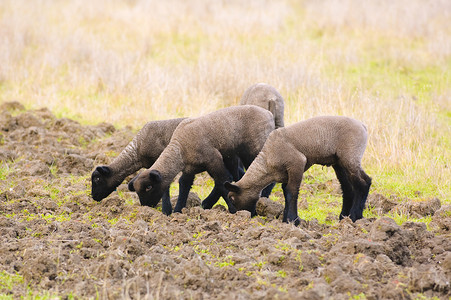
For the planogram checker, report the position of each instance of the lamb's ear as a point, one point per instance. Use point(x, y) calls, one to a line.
point(103, 170)
point(232, 187)
point(155, 176)
point(272, 107)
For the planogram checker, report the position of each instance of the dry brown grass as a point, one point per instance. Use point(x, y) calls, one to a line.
point(386, 63)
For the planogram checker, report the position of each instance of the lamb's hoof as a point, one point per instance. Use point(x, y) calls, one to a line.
point(167, 213)
point(206, 205)
point(295, 222)
point(355, 216)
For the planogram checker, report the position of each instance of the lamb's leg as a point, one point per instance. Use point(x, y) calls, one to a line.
point(267, 190)
point(185, 183)
point(235, 167)
point(290, 212)
point(215, 194)
point(240, 170)
point(224, 193)
point(361, 183)
point(218, 171)
point(166, 206)
point(212, 198)
point(347, 190)
point(291, 193)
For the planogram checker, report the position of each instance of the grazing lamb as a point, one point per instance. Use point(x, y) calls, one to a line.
point(141, 152)
point(209, 143)
point(266, 96)
point(328, 140)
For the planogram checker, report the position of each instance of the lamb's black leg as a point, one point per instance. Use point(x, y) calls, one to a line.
point(214, 196)
point(291, 193)
point(290, 212)
point(233, 166)
point(166, 206)
point(347, 190)
point(267, 190)
point(220, 174)
point(240, 170)
point(185, 183)
point(361, 183)
point(224, 193)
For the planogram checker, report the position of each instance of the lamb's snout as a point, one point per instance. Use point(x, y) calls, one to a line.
point(131, 184)
point(232, 198)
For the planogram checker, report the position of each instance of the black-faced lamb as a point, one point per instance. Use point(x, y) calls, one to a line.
point(141, 152)
point(288, 152)
point(266, 96)
point(208, 143)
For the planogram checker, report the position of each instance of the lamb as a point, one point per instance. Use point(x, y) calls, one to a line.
point(141, 152)
point(288, 152)
point(266, 96)
point(208, 143)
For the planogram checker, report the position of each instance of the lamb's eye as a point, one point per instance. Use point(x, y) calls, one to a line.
point(96, 179)
point(148, 188)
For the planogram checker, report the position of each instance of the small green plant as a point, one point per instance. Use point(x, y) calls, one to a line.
point(83, 142)
point(198, 235)
point(113, 221)
point(226, 262)
point(360, 296)
point(97, 240)
point(260, 264)
point(53, 170)
point(281, 273)
point(200, 250)
point(5, 170)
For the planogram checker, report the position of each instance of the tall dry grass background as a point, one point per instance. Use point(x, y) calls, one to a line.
point(386, 63)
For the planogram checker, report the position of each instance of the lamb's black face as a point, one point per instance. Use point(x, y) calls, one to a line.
point(148, 187)
point(101, 187)
point(240, 203)
point(241, 199)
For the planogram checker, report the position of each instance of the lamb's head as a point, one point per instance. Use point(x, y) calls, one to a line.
point(148, 186)
point(102, 183)
point(242, 199)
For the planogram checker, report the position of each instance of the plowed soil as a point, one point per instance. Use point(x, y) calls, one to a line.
point(55, 238)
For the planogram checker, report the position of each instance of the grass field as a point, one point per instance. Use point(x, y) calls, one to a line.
point(387, 63)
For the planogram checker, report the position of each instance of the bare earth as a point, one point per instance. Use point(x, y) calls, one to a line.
point(58, 239)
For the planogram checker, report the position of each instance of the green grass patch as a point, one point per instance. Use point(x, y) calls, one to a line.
point(404, 183)
point(8, 282)
point(5, 170)
point(225, 262)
